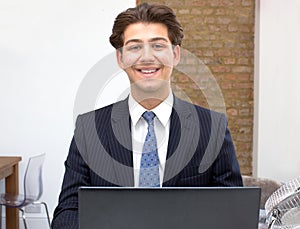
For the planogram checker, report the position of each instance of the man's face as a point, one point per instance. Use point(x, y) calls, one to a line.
point(148, 58)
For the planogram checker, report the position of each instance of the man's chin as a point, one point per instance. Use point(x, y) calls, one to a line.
point(150, 90)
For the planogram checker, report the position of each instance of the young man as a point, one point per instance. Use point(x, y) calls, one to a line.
point(152, 138)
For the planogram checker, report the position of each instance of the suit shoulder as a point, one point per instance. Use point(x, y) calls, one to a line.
point(103, 112)
point(209, 112)
point(200, 110)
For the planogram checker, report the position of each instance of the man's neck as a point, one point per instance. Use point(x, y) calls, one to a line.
point(150, 104)
point(149, 101)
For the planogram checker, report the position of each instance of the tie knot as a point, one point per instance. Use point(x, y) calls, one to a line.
point(148, 116)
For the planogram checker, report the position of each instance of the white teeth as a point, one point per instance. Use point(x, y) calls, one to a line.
point(148, 71)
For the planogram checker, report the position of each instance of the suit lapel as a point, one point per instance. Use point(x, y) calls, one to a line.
point(121, 144)
point(183, 139)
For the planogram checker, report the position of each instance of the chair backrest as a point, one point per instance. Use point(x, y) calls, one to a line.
point(33, 182)
point(268, 186)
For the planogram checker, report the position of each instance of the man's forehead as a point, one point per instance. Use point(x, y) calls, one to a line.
point(150, 40)
point(146, 32)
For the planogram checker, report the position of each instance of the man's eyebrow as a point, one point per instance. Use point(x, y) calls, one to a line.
point(133, 41)
point(151, 40)
point(158, 39)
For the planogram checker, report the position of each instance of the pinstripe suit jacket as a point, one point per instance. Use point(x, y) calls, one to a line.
point(200, 153)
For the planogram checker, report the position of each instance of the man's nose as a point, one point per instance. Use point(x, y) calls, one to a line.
point(147, 52)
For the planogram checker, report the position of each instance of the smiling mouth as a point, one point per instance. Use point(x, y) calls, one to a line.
point(148, 71)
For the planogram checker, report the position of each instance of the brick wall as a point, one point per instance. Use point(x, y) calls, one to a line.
point(220, 33)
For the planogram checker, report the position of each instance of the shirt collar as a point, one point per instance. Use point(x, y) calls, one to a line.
point(162, 111)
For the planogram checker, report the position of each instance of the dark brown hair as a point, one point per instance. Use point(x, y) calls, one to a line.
point(147, 14)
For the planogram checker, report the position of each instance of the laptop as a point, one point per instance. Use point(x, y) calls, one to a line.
point(169, 208)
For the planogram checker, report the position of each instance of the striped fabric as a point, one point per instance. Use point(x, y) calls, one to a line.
point(200, 153)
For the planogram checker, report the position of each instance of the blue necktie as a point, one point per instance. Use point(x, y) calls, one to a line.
point(149, 170)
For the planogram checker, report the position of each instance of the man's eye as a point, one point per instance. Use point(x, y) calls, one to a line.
point(158, 46)
point(134, 48)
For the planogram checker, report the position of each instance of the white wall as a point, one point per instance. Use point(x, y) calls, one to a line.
point(277, 90)
point(46, 49)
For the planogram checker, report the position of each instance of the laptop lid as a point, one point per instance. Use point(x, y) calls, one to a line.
point(169, 208)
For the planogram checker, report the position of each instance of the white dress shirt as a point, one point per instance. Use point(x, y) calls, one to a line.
point(139, 129)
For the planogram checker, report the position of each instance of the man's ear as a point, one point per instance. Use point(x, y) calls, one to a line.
point(119, 58)
point(176, 52)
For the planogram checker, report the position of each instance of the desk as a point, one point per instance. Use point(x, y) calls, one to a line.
point(9, 170)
